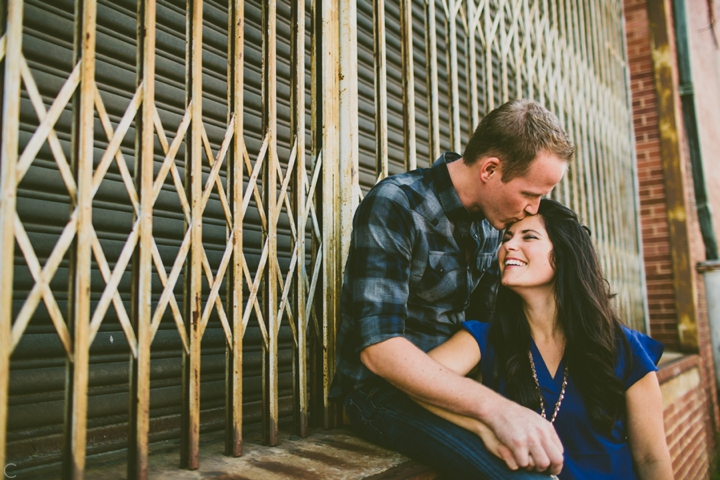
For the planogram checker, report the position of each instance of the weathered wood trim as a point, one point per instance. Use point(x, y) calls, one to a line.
point(673, 173)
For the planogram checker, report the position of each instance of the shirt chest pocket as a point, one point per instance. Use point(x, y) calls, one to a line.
point(442, 278)
point(482, 265)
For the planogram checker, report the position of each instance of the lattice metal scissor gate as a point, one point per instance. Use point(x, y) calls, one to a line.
point(179, 177)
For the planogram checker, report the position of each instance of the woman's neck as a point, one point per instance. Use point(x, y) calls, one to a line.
point(541, 312)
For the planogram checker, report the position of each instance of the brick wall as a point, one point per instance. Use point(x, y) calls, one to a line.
point(689, 390)
point(687, 422)
point(653, 213)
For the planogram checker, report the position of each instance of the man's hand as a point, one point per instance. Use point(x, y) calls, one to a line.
point(531, 439)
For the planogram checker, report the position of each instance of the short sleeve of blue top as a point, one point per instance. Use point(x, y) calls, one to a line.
point(589, 454)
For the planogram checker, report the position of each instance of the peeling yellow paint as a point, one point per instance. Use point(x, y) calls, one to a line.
point(677, 214)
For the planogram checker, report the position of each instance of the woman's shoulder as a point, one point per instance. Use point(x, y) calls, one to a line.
point(640, 358)
point(479, 330)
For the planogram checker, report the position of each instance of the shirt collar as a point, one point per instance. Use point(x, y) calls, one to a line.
point(445, 190)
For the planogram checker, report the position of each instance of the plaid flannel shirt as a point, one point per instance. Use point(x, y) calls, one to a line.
point(408, 272)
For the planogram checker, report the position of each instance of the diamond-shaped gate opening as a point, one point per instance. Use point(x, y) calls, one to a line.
point(115, 224)
point(171, 213)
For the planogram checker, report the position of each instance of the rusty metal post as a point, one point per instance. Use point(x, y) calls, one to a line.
point(381, 121)
point(452, 73)
point(297, 140)
point(79, 315)
point(234, 353)
point(674, 174)
point(433, 93)
point(12, 40)
point(348, 124)
point(269, 99)
point(190, 436)
point(408, 79)
point(137, 464)
point(330, 197)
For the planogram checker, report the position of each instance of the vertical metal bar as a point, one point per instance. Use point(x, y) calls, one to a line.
point(189, 456)
point(8, 186)
point(453, 78)
point(408, 76)
point(349, 143)
point(234, 359)
point(77, 375)
point(381, 141)
point(432, 79)
point(530, 32)
point(137, 464)
point(489, 85)
point(330, 174)
point(269, 98)
point(472, 66)
point(297, 129)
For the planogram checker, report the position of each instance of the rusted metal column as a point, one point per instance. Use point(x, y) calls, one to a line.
point(330, 197)
point(473, 20)
point(79, 315)
point(408, 79)
point(432, 79)
point(137, 464)
point(452, 72)
point(348, 123)
point(190, 436)
point(381, 123)
point(269, 99)
point(234, 353)
point(297, 140)
point(673, 174)
point(12, 40)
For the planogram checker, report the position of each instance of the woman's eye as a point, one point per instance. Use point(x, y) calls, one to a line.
point(530, 237)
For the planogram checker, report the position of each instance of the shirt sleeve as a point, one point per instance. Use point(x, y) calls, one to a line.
point(644, 354)
point(379, 266)
point(479, 331)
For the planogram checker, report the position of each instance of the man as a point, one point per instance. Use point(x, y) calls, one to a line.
point(422, 242)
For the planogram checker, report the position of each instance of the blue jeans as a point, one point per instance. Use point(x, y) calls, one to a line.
point(388, 417)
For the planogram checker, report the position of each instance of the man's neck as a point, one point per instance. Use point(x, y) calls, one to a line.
point(462, 177)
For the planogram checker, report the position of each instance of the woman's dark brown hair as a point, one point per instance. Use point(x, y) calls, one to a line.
point(592, 329)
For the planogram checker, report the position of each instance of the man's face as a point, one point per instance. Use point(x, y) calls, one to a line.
point(509, 202)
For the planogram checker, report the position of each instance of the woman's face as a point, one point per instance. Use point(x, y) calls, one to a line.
point(525, 255)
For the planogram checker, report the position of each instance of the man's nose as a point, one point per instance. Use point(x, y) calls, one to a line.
point(532, 207)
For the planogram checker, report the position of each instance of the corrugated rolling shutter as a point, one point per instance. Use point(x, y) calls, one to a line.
point(37, 381)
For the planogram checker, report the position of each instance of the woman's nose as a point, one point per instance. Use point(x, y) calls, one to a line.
point(510, 245)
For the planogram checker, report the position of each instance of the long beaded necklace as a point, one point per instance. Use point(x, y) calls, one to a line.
point(537, 387)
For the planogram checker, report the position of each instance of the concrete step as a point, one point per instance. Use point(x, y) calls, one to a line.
point(324, 454)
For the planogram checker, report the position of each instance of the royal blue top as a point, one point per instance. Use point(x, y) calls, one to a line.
point(589, 453)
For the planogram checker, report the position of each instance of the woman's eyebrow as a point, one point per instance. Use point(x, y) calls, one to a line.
point(530, 230)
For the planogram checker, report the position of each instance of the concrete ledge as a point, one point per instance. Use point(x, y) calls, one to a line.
point(676, 364)
point(327, 454)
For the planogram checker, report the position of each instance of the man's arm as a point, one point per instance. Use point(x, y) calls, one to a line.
point(529, 437)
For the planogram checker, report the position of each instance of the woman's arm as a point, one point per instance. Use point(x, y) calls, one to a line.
point(646, 431)
point(461, 354)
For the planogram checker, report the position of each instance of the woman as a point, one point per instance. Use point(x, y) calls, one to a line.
point(556, 346)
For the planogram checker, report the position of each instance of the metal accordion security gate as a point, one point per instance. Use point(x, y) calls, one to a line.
point(178, 182)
